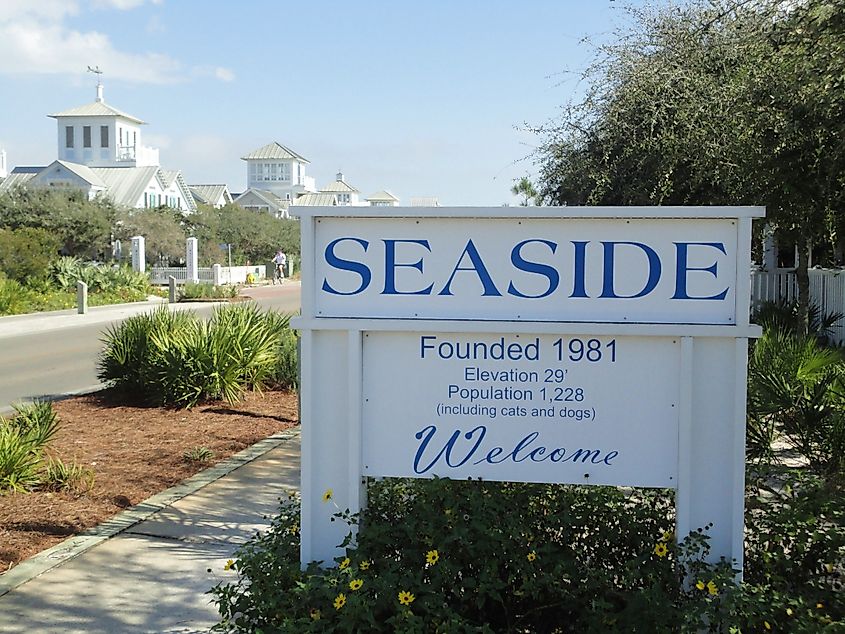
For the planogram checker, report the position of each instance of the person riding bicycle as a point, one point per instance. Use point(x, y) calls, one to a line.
point(280, 260)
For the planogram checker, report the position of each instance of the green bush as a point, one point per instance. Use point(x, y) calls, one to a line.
point(796, 393)
point(22, 442)
point(206, 290)
point(66, 476)
point(442, 556)
point(25, 252)
point(174, 358)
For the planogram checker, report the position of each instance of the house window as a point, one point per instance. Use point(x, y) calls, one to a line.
point(284, 172)
point(69, 136)
point(146, 200)
point(134, 137)
point(86, 136)
point(104, 136)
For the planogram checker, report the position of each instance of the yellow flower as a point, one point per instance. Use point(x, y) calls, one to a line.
point(711, 588)
point(406, 598)
point(431, 557)
point(344, 564)
point(661, 550)
point(828, 567)
point(315, 614)
point(365, 565)
point(229, 565)
point(700, 585)
point(339, 601)
point(355, 584)
point(293, 530)
point(532, 556)
point(820, 605)
point(766, 625)
point(667, 536)
point(328, 495)
point(788, 611)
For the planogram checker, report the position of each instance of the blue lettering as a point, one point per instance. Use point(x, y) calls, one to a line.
point(522, 444)
point(347, 265)
point(522, 264)
point(580, 269)
point(390, 266)
point(478, 267)
point(654, 269)
point(682, 268)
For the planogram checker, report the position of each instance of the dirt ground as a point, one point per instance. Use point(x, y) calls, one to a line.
point(134, 452)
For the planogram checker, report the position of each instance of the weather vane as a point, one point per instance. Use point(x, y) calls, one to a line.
point(96, 70)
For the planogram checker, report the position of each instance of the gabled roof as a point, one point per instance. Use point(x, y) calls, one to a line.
point(16, 179)
point(382, 196)
point(274, 151)
point(83, 171)
point(315, 200)
point(126, 185)
point(338, 187)
point(210, 194)
point(167, 177)
point(96, 109)
point(267, 196)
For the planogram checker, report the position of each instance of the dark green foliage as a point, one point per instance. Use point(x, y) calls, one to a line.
point(255, 236)
point(22, 442)
point(163, 231)
point(796, 394)
point(784, 316)
point(173, 358)
point(83, 227)
point(25, 252)
point(489, 557)
point(206, 290)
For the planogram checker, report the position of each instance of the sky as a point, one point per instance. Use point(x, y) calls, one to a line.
point(428, 98)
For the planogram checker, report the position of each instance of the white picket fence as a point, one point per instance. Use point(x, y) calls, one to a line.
point(212, 275)
point(827, 290)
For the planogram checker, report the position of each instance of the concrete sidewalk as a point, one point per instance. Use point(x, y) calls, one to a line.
point(146, 570)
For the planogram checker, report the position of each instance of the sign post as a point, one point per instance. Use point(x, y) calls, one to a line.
point(571, 345)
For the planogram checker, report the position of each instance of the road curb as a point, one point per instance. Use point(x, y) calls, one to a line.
point(78, 544)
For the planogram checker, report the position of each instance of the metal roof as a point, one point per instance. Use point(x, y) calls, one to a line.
point(274, 150)
point(83, 171)
point(96, 109)
point(383, 196)
point(167, 177)
point(338, 186)
point(315, 200)
point(15, 179)
point(126, 185)
point(210, 194)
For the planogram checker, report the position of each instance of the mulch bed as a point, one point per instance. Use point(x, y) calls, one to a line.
point(134, 452)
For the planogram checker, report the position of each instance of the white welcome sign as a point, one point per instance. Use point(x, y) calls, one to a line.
point(568, 345)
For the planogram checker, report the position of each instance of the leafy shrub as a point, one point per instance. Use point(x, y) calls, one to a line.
point(22, 442)
point(441, 556)
point(205, 290)
point(25, 252)
point(14, 297)
point(67, 271)
point(796, 393)
point(66, 476)
point(198, 454)
point(171, 358)
point(784, 316)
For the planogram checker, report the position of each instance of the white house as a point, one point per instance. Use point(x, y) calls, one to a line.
point(346, 193)
point(100, 152)
point(215, 195)
point(382, 198)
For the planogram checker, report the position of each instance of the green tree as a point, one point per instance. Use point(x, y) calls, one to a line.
point(525, 188)
point(83, 226)
point(26, 252)
point(164, 235)
point(723, 102)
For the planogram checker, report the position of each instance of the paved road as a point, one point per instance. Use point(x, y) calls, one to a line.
point(63, 360)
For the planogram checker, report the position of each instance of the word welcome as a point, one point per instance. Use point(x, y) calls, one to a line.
point(466, 448)
point(470, 262)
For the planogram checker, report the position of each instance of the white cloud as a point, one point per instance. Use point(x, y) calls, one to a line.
point(224, 74)
point(34, 39)
point(160, 141)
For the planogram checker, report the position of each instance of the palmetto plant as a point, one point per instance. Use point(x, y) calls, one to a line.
point(170, 358)
point(796, 393)
point(22, 442)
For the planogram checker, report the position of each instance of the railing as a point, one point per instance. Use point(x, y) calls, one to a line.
point(216, 274)
point(827, 291)
point(160, 274)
